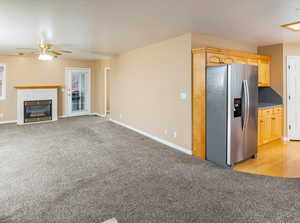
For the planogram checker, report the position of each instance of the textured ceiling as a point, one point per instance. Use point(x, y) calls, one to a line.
point(95, 28)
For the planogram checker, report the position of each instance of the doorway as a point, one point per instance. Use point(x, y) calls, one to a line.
point(107, 86)
point(78, 91)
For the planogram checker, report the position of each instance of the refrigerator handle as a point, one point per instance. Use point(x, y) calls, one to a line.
point(247, 104)
point(245, 113)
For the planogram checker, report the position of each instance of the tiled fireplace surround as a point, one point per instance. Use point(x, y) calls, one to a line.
point(32, 94)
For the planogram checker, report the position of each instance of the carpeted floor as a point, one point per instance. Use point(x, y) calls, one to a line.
point(87, 170)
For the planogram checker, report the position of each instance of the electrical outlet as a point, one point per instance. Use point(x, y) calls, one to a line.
point(1, 115)
point(121, 116)
point(166, 132)
point(175, 134)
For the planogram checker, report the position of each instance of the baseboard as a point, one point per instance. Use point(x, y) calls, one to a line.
point(284, 139)
point(172, 145)
point(8, 122)
point(98, 114)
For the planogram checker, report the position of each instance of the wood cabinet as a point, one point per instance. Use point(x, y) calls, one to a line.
point(270, 124)
point(264, 71)
point(216, 56)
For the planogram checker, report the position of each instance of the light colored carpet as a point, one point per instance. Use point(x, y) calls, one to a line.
point(88, 170)
point(112, 220)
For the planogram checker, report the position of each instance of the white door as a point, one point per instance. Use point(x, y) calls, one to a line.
point(78, 91)
point(293, 97)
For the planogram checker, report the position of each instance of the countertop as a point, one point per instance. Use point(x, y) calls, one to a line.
point(267, 105)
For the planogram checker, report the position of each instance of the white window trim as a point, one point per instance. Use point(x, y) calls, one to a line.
point(3, 97)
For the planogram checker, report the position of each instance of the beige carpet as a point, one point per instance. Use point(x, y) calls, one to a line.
point(88, 170)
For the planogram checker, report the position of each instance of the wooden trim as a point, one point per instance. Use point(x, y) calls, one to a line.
point(37, 87)
point(227, 52)
point(198, 105)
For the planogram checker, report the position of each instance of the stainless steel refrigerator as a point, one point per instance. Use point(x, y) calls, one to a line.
point(231, 118)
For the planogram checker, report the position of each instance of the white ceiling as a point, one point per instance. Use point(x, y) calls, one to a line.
point(112, 26)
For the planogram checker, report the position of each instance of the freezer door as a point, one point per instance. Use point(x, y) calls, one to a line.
point(236, 113)
point(250, 133)
point(216, 114)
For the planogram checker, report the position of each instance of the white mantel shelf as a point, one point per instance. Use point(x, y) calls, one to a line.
point(37, 87)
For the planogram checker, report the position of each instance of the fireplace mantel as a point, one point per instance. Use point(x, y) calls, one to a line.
point(37, 87)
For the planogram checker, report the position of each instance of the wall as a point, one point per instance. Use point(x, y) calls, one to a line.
point(146, 84)
point(99, 103)
point(145, 88)
point(31, 71)
point(276, 53)
point(199, 40)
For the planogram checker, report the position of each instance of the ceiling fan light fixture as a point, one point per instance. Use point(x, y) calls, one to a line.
point(44, 56)
point(295, 26)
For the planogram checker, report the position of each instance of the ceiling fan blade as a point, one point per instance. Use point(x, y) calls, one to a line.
point(55, 52)
point(27, 49)
point(28, 53)
point(63, 51)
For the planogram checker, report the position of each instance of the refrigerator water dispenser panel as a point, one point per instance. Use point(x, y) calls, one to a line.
point(237, 110)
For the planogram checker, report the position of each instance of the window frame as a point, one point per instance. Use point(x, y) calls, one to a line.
point(3, 95)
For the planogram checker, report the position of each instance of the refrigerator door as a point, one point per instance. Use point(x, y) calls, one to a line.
point(250, 133)
point(216, 114)
point(236, 120)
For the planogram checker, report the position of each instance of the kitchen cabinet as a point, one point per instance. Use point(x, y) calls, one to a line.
point(218, 56)
point(270, 123)
point(264, 71)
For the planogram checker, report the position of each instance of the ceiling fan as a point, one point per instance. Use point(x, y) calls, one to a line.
point(45, 51)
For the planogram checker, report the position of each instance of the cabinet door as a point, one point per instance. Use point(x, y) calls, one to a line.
point(252, 61)
point(276, 126)
point(267, 74)
point(239, 60)
point(260, 130)
point(267, 131)
point(214, 59)
point(264, 73)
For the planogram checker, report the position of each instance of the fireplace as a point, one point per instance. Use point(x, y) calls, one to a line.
point(36, 111)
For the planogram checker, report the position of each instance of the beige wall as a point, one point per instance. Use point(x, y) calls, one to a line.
point(99, 103)
point(276, 53)
point(146, 84)
point(199, 40)
point(145, 88)
point(31, 71)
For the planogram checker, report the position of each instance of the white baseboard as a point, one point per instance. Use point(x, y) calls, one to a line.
point(285, 139)
point(172, 145)
point(98, 114)
point(8, 122)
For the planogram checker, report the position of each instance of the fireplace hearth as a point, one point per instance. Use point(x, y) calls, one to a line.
point(36, 111)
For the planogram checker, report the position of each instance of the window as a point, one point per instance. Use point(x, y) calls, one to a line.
point(2, 82)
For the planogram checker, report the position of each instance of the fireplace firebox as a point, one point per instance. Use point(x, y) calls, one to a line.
point(37, 111)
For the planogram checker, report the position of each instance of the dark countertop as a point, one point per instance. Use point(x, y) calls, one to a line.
point(267, 105)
